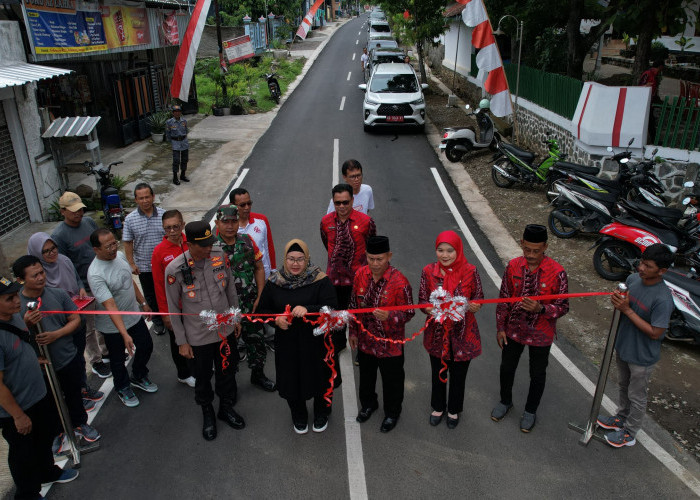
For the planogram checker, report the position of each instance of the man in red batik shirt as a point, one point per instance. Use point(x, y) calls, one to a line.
point(528, 322)
point(377, 285)
point(344, 234)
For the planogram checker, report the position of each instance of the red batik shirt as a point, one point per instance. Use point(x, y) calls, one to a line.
point(392, 289)
point(345, 242)
point(538, 329)
point(162, 255)
point(464, 338)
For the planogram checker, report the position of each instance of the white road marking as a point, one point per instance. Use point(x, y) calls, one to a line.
point(353, 56)
point(238, 182)
point(349, 73)
point(357, 42)
point(342, 105)
point(359, 32)
point(652, 446)
point(336, 155)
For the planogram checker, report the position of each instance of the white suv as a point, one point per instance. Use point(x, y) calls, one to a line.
point(393, 96)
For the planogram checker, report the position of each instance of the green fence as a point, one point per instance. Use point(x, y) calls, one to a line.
point(678, 123)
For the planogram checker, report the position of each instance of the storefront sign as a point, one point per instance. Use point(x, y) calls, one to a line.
point(125, 26)
point(238, 49)
point(65, 26)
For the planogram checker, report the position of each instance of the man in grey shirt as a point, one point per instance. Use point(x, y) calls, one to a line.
point(58, 331)
point(114, 289)
point(143, 231)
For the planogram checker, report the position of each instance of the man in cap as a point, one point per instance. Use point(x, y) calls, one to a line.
point(344, 234)
point(27, 414)
point(115, 291)
point(528, 322)
point(176, 132)
point(249, 277)
point(72, 237)
point(377, 285)
point(200, 280)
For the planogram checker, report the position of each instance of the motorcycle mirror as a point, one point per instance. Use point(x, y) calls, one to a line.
point(654, 151)
point(686, 200)
point(631, 141)
point(688, 184)
point(362, 86)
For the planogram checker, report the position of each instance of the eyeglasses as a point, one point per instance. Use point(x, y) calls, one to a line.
point(341, 202)
point(169, 229)
point(354, 177)
point(49, 250)
point(246, 204)
point(299, 260)
point(112, 246)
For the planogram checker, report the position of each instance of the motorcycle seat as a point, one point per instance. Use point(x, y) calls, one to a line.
point(608, 199)
point(681, 280)
point(667, 236)
point(576, 168)
point(668, 215)
point(526, 156)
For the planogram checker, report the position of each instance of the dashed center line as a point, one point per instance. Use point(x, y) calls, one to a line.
point(342, 105)
point(349, 73)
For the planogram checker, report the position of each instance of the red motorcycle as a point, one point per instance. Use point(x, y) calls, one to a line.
point(625, 239)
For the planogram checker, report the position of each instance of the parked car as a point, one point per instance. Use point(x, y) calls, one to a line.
point(383, 55)
point(377, 15)
point(393, 96)
point(386, 42)
point(376, 26)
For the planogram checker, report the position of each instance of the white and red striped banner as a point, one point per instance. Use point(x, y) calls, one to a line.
point(305, 25)
point(488, 59)
point(184, 64)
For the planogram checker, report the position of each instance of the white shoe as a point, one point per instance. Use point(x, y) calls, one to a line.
point(188, 381)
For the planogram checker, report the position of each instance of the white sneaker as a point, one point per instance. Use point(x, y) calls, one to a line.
point(187, 381)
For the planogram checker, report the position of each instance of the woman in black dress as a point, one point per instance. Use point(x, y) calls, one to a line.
point(302, 373)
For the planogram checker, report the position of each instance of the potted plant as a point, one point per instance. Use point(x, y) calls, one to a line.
point(156, 123)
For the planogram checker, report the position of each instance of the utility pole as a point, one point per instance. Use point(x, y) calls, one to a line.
point(217, 20)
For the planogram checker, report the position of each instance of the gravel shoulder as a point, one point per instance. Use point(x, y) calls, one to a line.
point(674, 391)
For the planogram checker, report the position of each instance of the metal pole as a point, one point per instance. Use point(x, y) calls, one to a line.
point(55, 386)
point(454, 72)
point(217, 20)
point(517, 78)
point(588, 429)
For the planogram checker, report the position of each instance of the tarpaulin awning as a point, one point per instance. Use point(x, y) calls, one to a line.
point(19, 73)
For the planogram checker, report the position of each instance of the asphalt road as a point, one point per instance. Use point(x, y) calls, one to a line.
point(156, 450)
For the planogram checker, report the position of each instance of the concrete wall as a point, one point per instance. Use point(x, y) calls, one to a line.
point(459, 46)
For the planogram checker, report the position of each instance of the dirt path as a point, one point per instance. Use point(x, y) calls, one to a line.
point(674, 393)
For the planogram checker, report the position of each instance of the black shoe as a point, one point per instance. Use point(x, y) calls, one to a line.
point(159, 329)
point(436, 419)
point(337, 382)
point(229, 415)
point(175, 181)
point(365, 413)
point(209, 425)
point(452, 422)
point(257, 377)
point(388, 424)
point(184, 178)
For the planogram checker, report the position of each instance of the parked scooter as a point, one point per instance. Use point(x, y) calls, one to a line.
point(274, 86)
point(112, 209)
point(625, 239)
point(515, 165)
point(458, 141)
point(685, 319)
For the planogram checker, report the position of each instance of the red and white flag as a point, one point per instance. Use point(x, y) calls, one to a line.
point(488, 59)
point(184, 64)
point(305, 25)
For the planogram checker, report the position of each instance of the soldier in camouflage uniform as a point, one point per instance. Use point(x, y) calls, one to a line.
point(249, 277)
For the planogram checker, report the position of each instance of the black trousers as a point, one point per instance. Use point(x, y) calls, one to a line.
point(144, 348)
point(71, 379)
point(339, 337)
point(224, 380)
point(300, 414)
point(180, 159)
point(539, 358)
point(457, 376)
point(80, 341)
point(393, 376)
point(149, 293)
point(29, 457)
point(183, 365)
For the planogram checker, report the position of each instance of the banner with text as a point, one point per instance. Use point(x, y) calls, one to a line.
point(238, 49)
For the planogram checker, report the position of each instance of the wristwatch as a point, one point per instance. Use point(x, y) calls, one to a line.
point(143, 304)
point(543, 310)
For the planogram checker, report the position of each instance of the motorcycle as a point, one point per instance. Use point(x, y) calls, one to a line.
point(112, 209)
point(684, 325)
point(625, 239)
point(581, 209)
point(516, 165)
point(458, 141)
point(274, 86)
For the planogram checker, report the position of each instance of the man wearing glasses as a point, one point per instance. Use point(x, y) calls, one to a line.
point(174, 243)
point(344, 234)
point(115, 290)
point(256, 226)
point(363, 199)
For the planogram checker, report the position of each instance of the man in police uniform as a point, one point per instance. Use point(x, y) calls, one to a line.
point(249, 277)
point(200, 280)
point(176, 132)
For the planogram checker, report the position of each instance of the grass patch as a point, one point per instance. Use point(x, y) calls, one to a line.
point(244, 81)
